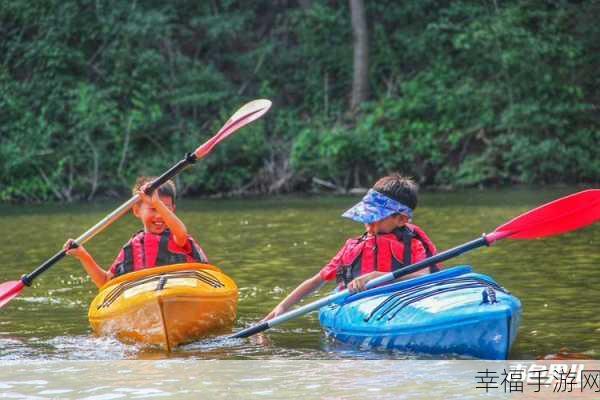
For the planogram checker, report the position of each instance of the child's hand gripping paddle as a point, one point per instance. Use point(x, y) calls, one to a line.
point(559, 216)
point(242, 117)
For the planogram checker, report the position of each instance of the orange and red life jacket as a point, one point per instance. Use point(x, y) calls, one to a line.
point(147, 250)
point(384, 252)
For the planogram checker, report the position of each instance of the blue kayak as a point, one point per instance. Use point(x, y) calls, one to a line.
point(454, 311)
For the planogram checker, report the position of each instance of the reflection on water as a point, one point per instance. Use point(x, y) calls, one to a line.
point(268, 247)
point(273, 379)
point(287, 379)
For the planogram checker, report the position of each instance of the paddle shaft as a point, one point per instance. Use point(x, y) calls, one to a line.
point(443, 256)
point(189, 159)
point(245, 115)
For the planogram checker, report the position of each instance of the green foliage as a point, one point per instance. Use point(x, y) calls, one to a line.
point(495, 99)
point(93, 94)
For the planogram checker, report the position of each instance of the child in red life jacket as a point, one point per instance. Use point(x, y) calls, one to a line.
point(389, 243)
point(163, 241)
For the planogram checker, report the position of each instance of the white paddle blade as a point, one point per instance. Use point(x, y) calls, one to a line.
point(255, 108)
point(246, 114)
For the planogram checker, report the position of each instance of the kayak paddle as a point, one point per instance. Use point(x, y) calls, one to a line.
point(559, 216)
point(245, 115)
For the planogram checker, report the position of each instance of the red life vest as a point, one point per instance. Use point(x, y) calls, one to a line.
point(386, 253)
point(136, 251)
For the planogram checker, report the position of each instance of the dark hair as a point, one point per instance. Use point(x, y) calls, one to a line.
point(167, 189)
point(399, 188)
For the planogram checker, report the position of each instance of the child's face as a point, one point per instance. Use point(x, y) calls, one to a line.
point(386, 225)
point(152, 220)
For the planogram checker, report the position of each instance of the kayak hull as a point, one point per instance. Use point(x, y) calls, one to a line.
point(452, 312)
point(165, 306)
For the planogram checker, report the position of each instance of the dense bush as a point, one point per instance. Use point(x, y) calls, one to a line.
point(93, 93)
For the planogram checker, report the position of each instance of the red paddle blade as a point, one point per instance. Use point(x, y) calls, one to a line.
point(9, 290)
point(559, 216)
point(248, 113)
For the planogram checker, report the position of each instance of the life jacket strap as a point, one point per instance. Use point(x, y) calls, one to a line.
point(198, 256)
point(127, 264)
point(407, 237)
point(346, 273)
point(428, 252)
point(165, 257)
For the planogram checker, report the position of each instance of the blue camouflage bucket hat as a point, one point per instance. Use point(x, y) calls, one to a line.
point(375, 207)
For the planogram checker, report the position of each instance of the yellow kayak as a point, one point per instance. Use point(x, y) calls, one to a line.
point(165, 306)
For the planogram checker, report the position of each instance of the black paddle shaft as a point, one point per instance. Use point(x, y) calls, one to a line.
point(27, 279)
point(189, 159)
point(253, 330)
point(443, 256)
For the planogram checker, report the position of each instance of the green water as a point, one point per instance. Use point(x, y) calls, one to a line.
point(268, 246)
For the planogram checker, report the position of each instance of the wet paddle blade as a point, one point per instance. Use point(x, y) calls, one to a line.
point(10, 290)
point(559, 216)
point(246, 114)
point(254, 108)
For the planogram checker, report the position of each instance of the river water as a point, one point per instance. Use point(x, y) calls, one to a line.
point(268, 246)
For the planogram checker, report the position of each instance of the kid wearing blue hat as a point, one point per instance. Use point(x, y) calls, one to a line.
point(390, 242)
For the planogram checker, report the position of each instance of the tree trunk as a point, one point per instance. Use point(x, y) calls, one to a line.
point(360, 79)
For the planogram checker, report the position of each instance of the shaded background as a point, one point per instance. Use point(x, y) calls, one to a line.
point(454, 93)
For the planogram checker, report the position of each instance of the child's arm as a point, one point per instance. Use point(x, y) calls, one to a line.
point(358, 284)
point(297, 294)
point(98, 275)
point(178, 229)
